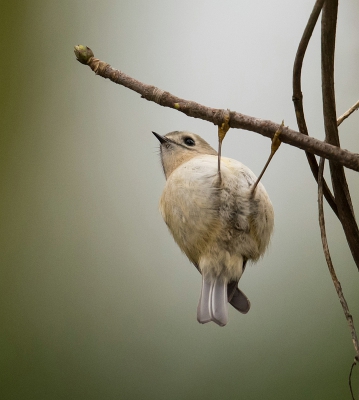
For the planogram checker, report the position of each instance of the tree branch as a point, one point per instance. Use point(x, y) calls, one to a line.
point(298, 96)
point(340, 186)
point(333, 275)
point(215, 115)
point(348, 113)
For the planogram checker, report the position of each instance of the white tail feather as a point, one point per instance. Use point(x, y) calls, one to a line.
point(213, 303)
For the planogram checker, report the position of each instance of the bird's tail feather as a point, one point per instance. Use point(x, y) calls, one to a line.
point(213, 303)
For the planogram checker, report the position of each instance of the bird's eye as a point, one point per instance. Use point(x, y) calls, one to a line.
point(189, 141)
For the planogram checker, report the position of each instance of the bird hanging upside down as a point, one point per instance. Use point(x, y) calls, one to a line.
point(215, 218)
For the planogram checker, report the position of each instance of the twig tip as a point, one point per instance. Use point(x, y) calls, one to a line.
point(83, 53)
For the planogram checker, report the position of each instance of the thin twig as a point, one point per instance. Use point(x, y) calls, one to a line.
point(215, 115)
point(298, 96)
point(347, 113)
point(350, 378)
point(328, 259)
point(340, 186)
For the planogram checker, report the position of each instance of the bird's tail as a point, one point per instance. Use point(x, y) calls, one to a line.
point(213, 303)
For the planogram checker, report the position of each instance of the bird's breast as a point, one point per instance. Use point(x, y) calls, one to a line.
point(190, 204)
point(202, 211)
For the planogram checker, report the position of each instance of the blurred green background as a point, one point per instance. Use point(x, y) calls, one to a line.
point(97, 301)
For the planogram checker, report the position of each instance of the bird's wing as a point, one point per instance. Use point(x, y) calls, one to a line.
point(240, 301)
point(236, 297)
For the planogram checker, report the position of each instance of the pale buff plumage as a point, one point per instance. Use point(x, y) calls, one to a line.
point(217, 222)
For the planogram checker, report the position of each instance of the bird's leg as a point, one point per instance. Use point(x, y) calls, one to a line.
point(222, 130)
point(274, 147)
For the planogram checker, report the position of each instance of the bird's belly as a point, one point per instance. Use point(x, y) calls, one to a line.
point(190, 209)
point(216, 223)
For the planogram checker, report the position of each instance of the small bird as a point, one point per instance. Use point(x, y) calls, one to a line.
point(215, 218)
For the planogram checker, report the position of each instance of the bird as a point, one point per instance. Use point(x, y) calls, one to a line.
point(215, 218)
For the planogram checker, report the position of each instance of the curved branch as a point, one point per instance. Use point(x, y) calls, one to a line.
point(328, 259)
point(298, 96)
point(340, 186)
point(215, 115)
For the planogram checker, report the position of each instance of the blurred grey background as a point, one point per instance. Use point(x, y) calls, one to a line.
point(97, 301)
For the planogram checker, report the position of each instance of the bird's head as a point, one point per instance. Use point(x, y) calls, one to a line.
point(179, 147)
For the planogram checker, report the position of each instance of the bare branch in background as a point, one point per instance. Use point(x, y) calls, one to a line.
point(340, 186)
point(298, 96)
point(328, 259)
point(348, 113)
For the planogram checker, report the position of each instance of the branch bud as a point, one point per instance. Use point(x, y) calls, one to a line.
point(83, 54)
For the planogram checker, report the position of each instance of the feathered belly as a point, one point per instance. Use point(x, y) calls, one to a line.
point(191, 212)
point(216, 223)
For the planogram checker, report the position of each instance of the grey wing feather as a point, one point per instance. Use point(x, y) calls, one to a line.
point(236, 297)
point(240, 301)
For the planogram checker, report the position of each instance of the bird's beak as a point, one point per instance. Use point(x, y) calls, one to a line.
point(162, 139)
